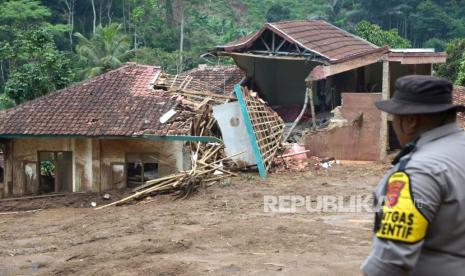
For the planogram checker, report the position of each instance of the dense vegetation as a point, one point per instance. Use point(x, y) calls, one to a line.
point(46, 45)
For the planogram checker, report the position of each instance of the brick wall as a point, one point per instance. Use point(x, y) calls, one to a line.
point(359, 140)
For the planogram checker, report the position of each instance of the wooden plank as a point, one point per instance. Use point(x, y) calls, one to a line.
point(35, 197)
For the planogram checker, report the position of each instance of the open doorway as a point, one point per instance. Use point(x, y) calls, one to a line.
point(55, 170)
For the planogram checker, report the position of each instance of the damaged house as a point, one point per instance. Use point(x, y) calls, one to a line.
point(323, 81)
point(112, 131)
point(223, 77)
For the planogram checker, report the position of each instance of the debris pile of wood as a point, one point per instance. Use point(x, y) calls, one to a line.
point(209, 165)
point(207, 169)
point(193, 91)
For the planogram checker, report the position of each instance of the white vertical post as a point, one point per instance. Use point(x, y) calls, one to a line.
point(383, 132)
point(73, 162)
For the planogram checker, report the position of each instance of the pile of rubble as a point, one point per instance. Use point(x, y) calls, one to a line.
point(208, 168)
point(257, 124)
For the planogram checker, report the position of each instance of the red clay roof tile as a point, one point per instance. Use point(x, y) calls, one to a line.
point(221, 76)
point(317, 36)
point(117, 103)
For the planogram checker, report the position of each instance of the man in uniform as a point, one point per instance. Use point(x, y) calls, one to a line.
point(420, 217)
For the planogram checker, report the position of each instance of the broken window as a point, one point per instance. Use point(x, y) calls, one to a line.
point(141, 167)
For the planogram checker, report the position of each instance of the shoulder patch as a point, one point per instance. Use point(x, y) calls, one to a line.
point(393, 192)
point(400, 219)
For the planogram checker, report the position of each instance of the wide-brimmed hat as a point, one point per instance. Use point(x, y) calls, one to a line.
point(417, 94)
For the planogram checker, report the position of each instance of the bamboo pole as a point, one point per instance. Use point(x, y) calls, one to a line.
point(312, 106)
point(302, 112)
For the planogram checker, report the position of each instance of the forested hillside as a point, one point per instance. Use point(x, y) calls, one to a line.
point(46, 45)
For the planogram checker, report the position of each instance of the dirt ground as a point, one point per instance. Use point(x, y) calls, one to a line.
point(221, 231)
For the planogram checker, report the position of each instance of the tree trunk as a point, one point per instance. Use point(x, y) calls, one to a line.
point(135, 37)
point(109, 4)
point(124, 16)
point(169, 17)
point(1, 72)
point(95, 16)
point(70, 4)
point(100, 13)
point(181, 43)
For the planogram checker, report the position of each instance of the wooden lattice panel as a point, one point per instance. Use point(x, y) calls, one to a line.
point(186, 82)
point(193, 90)
point(267, 125)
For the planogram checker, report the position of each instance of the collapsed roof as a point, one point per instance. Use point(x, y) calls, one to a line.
point(121, 102)
point(223, 77)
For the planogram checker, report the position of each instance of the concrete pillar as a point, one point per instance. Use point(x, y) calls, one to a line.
point(383, 132)
point(96, 166)
point(8, 173)
point(8, 168)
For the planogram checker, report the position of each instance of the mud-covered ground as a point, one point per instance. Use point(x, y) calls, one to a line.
point(221, 231)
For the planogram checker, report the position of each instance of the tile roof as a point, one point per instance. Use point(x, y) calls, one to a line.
point(459, 98)
point(118, 103)
point(318, 36)
point(219, 76)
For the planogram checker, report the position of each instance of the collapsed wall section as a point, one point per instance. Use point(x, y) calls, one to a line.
point(358, 138)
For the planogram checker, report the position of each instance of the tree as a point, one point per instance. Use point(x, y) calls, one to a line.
point(70, 6)
point(429, 20)
point(107, 49)
point(278, 13)
point(37, 66)
point(376, 35)
point(437, 44)
point(455, 50)
point(23, 13)
point(6, 102)
point(169, 17)
point(461, 73)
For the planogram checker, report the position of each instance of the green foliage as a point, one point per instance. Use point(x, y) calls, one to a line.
point(278, 13)
point(377, 36)
point(47, 168)
point(23, 12)
point(37, 66)
point(151, 28)
point(107, 49)
point(455, 50)
point(461, 73)
point(428, 19)
point(169, 17)
point(436, 43)
point(6, 102)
